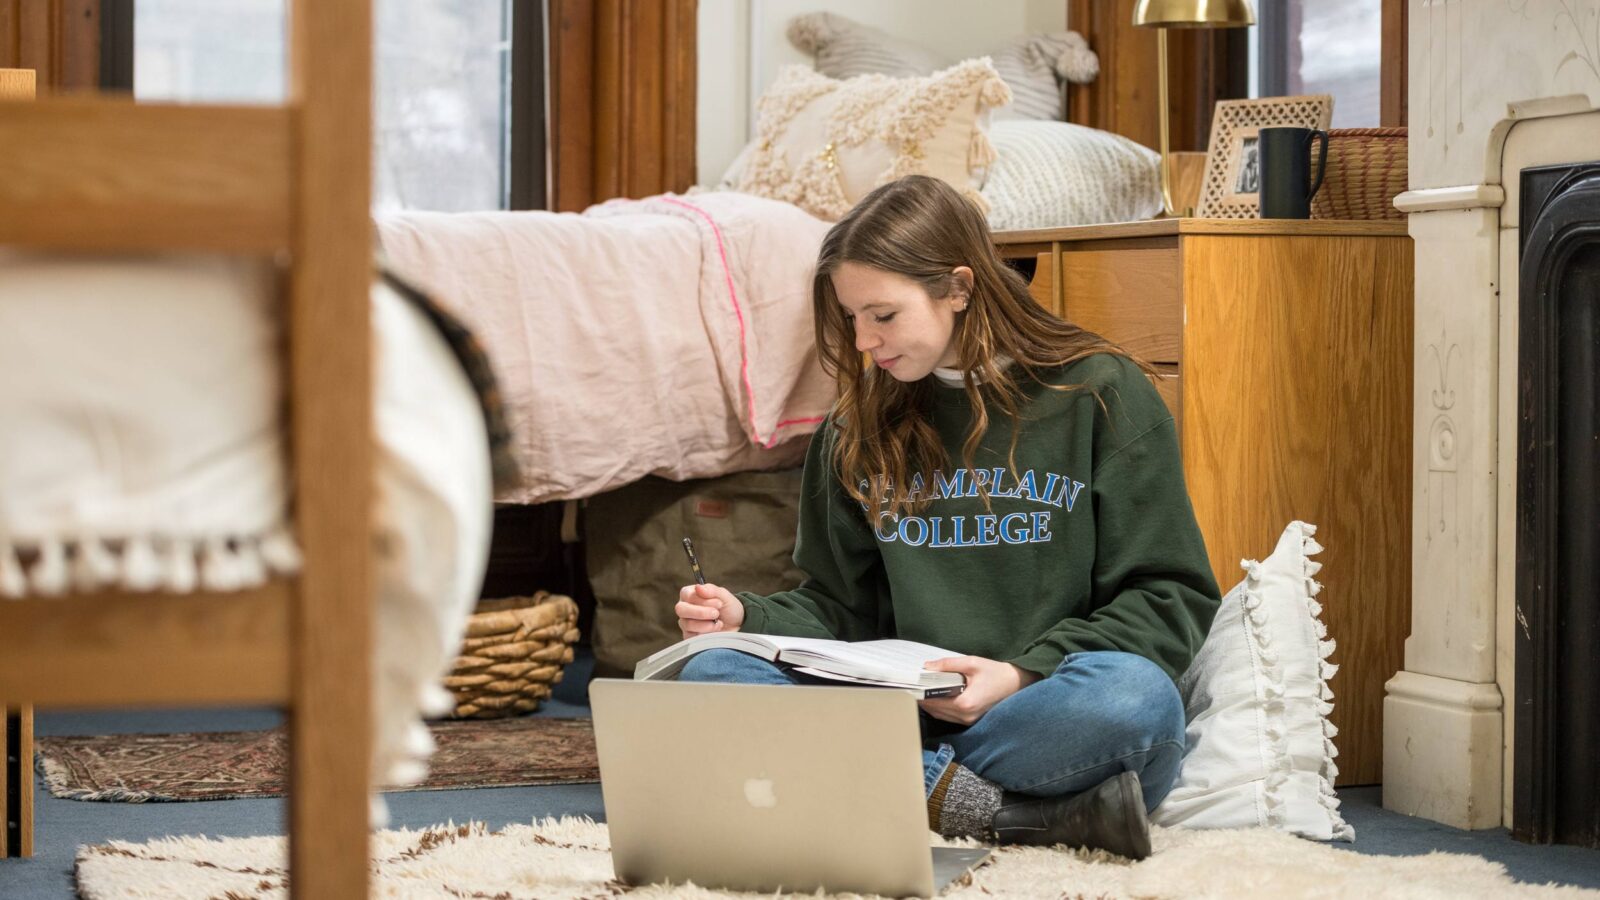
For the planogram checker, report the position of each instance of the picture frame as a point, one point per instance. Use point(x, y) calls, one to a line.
point(1231, 189)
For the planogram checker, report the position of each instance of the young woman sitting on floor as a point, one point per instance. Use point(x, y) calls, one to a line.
point(1007, 485)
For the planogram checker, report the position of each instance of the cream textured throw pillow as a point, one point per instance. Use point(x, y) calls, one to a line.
point(844, 48)
point(1051, 174)
point(1034, 66)
point(823, 144)
point(1260, 746)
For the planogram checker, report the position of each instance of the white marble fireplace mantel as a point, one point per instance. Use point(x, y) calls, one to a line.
point(1495, 85)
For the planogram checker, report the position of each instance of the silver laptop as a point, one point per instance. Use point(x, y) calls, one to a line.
point(767, 788)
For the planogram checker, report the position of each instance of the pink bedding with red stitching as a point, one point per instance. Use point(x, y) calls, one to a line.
point(668, 336)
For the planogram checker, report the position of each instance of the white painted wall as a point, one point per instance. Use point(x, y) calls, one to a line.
point(722, 95)
point(741, 47)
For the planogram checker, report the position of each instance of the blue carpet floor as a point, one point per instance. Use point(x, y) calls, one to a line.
point(61, 825)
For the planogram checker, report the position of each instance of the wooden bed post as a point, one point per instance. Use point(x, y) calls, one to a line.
point(16, 780)
point(16, 722)
point(330, 388)
point(102, 175)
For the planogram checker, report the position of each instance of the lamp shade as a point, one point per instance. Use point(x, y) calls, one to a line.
point(1194, 13)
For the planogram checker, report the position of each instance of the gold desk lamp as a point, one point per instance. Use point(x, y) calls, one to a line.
point(1164, 14)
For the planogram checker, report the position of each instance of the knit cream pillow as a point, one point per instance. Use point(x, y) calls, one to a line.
point(1035, 66)
point(823, 144)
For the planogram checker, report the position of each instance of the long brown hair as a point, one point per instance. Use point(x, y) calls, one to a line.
point(921, 228)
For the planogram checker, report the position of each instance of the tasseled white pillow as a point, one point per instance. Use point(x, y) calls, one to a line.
point(435, 512)
point(1260, 746)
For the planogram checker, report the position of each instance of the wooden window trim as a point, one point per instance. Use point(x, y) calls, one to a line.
point(529, 172)
point(622, 99)
point(1395, 69)
point(58, 39)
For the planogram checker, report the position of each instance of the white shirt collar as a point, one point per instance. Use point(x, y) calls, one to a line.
point(957, 377)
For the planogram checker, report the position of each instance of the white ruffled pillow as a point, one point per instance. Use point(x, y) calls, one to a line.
point(435, 511)
point(1053, 174)
point(1260, 749)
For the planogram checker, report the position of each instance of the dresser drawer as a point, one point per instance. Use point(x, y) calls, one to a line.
point(1132, 296)
point(1043, 287)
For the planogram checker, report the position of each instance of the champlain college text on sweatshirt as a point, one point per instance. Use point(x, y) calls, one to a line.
point(1089, 542)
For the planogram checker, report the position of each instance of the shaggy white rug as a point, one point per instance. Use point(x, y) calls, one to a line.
point(571, 858)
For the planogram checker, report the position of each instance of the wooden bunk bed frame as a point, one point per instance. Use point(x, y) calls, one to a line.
point(291, 182)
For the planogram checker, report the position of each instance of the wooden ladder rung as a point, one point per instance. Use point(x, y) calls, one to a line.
point(133, 649)
point(90, 174)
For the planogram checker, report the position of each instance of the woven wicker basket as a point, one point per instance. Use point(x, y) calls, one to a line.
point(513, 655)
point(1366, 171)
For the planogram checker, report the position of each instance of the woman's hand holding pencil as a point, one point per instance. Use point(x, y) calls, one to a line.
point(705, 608)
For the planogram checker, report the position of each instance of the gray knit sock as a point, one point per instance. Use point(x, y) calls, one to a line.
point(963, 804)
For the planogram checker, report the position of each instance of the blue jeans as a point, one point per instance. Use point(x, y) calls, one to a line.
point(1099, 714)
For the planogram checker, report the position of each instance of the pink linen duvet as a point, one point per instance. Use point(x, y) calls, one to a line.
point(667, 336)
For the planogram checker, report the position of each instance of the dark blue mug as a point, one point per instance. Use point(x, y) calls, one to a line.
point(1287, 185)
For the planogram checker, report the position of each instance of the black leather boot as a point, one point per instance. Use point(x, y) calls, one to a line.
point(1109, 816)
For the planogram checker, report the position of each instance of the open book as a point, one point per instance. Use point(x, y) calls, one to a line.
point(896, 664)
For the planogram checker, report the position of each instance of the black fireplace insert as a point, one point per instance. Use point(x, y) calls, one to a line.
point(1556, 791)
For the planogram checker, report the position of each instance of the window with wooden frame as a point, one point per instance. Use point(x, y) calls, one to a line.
point(458, 93)
point(1207, 65)
point(1352, 49)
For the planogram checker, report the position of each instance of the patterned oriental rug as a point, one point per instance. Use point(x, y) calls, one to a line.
point(224, 765)
point(568, 859)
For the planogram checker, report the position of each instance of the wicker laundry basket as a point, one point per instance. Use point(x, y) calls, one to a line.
point(513, 655)
point(1366, 171)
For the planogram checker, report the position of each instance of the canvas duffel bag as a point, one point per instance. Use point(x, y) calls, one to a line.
point(743, 528)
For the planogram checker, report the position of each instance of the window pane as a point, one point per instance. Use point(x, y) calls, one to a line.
point(1327, 47)
point(443, 101)
point(209, 51)
point(442, 94)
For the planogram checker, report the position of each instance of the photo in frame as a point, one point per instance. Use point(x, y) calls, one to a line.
point(1231, 189)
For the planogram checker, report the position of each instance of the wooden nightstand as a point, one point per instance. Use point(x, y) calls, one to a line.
point(1286, 349)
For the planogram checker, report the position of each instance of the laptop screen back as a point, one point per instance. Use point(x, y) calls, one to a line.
point(759, 787)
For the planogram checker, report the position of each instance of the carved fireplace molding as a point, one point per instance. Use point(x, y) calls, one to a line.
point(1495, 86)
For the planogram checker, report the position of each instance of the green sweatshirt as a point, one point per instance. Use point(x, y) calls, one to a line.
point(1090, 544)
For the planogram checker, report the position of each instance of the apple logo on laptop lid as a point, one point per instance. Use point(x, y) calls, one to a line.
point(759, 793)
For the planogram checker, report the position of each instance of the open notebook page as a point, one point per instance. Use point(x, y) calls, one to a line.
point(905, 658)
